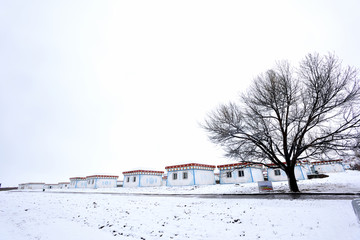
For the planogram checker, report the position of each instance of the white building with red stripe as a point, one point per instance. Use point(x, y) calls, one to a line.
point(142, 178)
point(78, 182)
point(277, 174)
point(240, 173)
point(190, 174)
point(328, 166)
point(101, 181)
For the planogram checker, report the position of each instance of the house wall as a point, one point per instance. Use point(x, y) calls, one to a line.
point(131, 182)
point(64, 185)
point(307, 169)
point(272, 177)
point(300, 174)
point(78, 184)
point(34, 186)
point(150, 180)
point(51, 186)
point(195, 177)
point(250, 175)
point(329, 168)
point(95, 183)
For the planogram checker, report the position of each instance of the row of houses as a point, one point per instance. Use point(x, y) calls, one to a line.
point(193, 174)
point(39, 185)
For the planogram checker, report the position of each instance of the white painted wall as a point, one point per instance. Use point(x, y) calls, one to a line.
point(34, 186)
point(51, 186)
point(150, 180)
point(203, 177)
point(329, 168)
point(195, 177)
point(129, 181)
point(300, 174)
point(180, 181)
point(64, 185)
point(77, 184)
point(101, 183)
point(250, 175)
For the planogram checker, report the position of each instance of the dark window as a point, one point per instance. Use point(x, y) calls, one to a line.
point(277, 172)
point(174, 176)
point(127, 179)
point(241, 173)
point(185, 175)
point(134, 180)
point(228, 174)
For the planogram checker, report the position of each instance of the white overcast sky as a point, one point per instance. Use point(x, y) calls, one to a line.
point(102, 87)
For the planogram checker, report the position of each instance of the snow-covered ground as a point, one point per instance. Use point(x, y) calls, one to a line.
point(55, 216)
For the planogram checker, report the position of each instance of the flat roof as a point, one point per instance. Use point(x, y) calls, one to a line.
point(144, 171)
point(191, 165)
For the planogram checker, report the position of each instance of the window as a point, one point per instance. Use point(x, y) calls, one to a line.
point(134, 180)
point(174, 176)
point(277, 172)
point(241, 173)
point(127, 179)
point(185, 175)
point(228, 174)
point(92, 182)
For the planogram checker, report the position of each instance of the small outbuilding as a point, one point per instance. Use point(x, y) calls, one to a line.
point(101, 181)
point(329, 166)
point(190, 174)
point(240, 173)
point(31, 186)
point(78, 182)
point(277, 174)
point(142, 178)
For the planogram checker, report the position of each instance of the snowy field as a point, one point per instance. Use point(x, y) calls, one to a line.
point(68, 216)
point(40, 215)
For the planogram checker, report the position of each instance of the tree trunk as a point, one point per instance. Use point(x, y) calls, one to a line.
point(292, 180)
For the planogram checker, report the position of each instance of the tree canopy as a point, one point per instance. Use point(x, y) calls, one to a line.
point(291, 114)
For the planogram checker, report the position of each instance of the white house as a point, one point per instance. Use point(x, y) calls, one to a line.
point(64, 185)
point(240, 173)
point(101, 181)
point(327, 166)
point(190, 174)
point(142, 178)
point(277, 174)
point(77, 182)
point(31, 186)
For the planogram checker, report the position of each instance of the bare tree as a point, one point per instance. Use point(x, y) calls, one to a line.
point(289, 115)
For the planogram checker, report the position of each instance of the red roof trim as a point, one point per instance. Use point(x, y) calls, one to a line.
point(191, 165)
point(143, 171)
point(327, 161)
point(234, 164)
point(102, 176)
point(77, 178)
